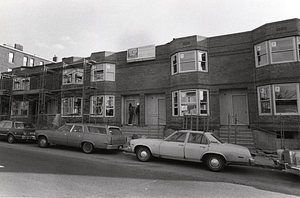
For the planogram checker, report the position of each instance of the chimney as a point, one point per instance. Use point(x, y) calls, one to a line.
point(19, 47)
point(54, 58)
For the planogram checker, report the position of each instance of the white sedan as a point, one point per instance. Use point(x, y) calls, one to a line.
point(195, 146)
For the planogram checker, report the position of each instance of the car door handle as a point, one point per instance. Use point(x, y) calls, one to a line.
point(180, 144)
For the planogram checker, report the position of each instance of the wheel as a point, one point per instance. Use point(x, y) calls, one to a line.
point(215, 162)
point(143, 154)
point(87, 147)
point(43, 142)
point(11, 138)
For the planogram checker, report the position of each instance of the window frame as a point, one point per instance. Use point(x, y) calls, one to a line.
point(31, 62)
point(272, 52)
point(107, 107)
point(11, 57)
point(260, 101)
point(21, 107)
point(21, 83)
point(72, 108)
point(198, 102)
point(258, 48)
point(70, 76)
point(297, 99)
point(25, 61)
point(107, 69)
point(198, 60)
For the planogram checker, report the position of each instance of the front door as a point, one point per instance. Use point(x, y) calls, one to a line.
point(239, 108)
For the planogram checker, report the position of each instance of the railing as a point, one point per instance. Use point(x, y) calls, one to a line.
point(194, 122)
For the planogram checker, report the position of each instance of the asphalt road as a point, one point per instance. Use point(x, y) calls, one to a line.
point(29, 171)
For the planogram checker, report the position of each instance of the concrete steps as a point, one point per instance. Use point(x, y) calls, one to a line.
point(240, 135)
point(140, 131)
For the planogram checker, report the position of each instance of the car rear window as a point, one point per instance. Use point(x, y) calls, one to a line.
point(115, 131)
point(21, 125)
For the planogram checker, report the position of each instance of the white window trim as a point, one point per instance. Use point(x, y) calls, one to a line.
point(294, 51)
point(197, 66)
point(298, 99)
point(73, 72)
point(105, 72)
point(114, 108)
point(259, 101)
point(197, 102)
point(11, 57)
point(105, 99)
point(267, 54)
point(173, 105)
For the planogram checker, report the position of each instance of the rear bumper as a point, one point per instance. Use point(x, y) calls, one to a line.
point(114, 147)
point(251, 161)
point(25, 137)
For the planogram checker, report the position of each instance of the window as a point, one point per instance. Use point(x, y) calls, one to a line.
point(195, 138)
point(19, 108)
point(41, 62)
point(264, 100)
point(102, 106)
point(21, 83)
point(189, 61)
point(286, 98)
point(177, 137)
point(11, 57)
point(31, 62)
point(175, 103)
point(103, 72)
point(109, 106)
point(283, 50)
point(97, 105)
point(71, 106)
point(261, 54)
point(25, 61)
point(73, 76)
point(282, 99)
point(77, 128)
point(190, 102)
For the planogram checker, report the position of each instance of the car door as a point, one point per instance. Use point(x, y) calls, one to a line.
point(60, 136)
point(97, 135)
point(75, 136)
point(196, 145)
point(173, 146)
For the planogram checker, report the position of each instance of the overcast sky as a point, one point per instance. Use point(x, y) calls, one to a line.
point(79, 27)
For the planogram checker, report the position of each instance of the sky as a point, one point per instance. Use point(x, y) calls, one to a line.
point(80, 27)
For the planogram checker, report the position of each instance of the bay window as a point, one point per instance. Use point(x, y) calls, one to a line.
point(282, 99)
point(189, 61)
point(103, 72)
point(71, 106)
point(73, 76)
point(190, 102)
point(102, 106)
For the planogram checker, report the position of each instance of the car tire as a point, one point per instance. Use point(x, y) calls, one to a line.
point(87, 147)
point(215, 162)
point(143, 154)
point(43, 142)
point(11, 138)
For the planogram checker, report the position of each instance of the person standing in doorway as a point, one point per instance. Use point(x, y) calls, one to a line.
point(131, 113)
point(137, 112)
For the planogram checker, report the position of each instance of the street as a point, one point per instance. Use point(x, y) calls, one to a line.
point(29, 171)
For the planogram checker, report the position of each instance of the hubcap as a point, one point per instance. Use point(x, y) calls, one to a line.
point(144, 154)
point(215, 163)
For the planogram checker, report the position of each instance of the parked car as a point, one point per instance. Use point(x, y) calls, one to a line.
point(288, 160)
point(17, 130)
point(85, 136)
point(195, 146)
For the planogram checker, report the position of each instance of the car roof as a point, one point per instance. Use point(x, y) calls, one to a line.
point(191, 131)
point(92, 124)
